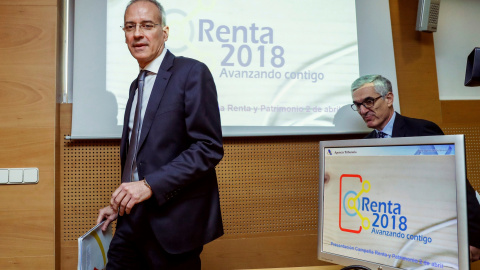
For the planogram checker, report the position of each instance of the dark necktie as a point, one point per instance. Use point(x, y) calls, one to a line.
point(381, 134)
point(133, 145)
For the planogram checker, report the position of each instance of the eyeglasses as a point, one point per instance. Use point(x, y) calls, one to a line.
point(367, 103)
point(131, 27)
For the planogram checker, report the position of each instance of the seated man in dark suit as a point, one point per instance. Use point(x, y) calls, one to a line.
point(373, 100)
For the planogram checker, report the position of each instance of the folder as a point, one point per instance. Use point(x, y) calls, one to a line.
point(93, 248)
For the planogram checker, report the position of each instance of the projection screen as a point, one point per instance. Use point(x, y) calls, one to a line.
point(280, 67)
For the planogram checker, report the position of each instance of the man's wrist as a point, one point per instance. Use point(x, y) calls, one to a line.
point(146, 184)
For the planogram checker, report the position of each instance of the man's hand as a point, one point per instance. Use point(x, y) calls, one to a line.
point(474, 253)
point(129, 194)
point(107, 213)
point(326, 178)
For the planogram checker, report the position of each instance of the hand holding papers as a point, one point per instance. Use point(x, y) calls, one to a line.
point(93, 247)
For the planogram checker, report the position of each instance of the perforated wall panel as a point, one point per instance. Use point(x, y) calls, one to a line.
point(90, 169)
point(268, 185)
point(472, 149)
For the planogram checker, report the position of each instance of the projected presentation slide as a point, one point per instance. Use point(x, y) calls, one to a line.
point(272, 67)
point(393, 205)
point(281, 67)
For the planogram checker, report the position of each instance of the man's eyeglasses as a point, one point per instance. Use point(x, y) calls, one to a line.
point(131, 27)
point(367, 103)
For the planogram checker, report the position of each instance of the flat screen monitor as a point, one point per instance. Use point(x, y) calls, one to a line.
point(397, 203)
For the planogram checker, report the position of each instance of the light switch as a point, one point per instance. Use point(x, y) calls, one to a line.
point(15, 176)
point(30, 175)
point(3, 176)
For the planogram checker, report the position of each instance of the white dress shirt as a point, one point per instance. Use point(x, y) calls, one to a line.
point(152, 68)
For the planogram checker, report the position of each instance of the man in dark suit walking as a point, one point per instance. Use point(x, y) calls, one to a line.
point(373, 100)
point(168, 203)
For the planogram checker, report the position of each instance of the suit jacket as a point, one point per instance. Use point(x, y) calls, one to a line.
point(409, 127)
point(179, 146)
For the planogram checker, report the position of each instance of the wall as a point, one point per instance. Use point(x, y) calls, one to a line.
point(268, 185)
point(27, 131)
point(28, 117)
point(417, 76)
point(455, 39)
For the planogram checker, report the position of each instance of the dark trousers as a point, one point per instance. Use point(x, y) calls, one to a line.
point(133, 250)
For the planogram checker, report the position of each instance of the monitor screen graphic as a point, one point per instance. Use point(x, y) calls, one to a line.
point(394, 203)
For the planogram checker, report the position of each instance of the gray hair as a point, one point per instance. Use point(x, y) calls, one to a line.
point(163, 18)
point(381, 84)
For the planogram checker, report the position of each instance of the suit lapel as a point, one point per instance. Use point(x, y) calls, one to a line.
point(372, 134)
point(399, 129)
point(161, 82)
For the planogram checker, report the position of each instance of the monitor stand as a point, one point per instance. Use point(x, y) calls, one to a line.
point(356, 267)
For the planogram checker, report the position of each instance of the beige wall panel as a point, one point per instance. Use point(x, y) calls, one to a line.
point(27, 69)
point(415, 63)
point(472, 149)
point(224, 254)
point(465, 112)
point(268, 192)
point(35, 197)
point(27, 263)
point(65, 119)
point(69, 255)
point(30, 234)
point(28, 36)
point(261, 252)
point(28, 2)
point(268, 185)
point(324, 267)
point(27, 98)
point(475, 265)
point(27, 147)
point(27, 137)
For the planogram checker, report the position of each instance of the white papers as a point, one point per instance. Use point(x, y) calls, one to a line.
point(93, 247)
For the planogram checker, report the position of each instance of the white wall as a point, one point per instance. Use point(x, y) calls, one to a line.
point(458, 33)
